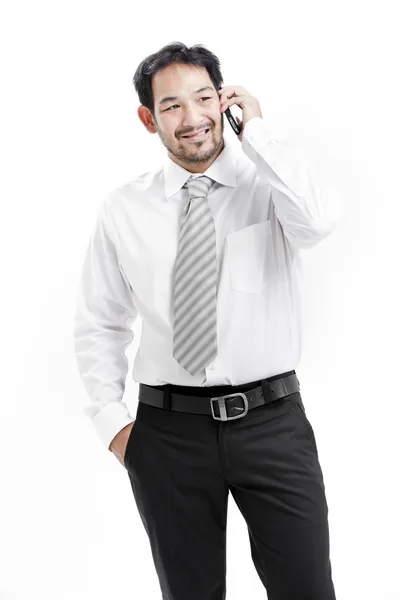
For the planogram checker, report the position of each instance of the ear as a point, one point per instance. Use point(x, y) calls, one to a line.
point(145, 116)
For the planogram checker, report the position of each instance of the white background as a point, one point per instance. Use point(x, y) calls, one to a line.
point(326, 74)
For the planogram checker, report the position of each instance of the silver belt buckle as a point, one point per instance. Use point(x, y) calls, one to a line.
point(222, 407)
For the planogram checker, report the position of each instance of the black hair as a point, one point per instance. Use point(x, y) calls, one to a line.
point(175, 52)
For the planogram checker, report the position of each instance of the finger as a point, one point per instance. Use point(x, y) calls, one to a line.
point(225, 103)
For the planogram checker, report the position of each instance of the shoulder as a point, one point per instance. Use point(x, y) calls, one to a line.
point(133, 189)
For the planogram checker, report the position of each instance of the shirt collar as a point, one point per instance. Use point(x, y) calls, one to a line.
point(222, 170)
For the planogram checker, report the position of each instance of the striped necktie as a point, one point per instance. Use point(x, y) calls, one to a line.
point(195, 281)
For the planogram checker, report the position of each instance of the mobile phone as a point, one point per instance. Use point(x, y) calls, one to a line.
point(235, 126)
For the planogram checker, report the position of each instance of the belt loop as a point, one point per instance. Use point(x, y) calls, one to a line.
point(167, 397)
point(266, 390)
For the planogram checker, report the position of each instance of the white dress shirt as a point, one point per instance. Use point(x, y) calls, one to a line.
point(267, 205)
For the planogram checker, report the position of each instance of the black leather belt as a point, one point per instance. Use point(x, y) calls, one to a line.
point(222, 408)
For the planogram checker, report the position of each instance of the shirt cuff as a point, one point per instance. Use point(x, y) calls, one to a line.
point(110, 420)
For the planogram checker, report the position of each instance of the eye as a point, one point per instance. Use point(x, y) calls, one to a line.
point(203, 98)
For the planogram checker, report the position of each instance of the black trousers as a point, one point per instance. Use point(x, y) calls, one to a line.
point(181, 468)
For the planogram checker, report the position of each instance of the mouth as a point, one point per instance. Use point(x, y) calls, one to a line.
point(198, 136)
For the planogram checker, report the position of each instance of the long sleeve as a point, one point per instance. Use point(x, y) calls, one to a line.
point(307, 210)
point(102, 330)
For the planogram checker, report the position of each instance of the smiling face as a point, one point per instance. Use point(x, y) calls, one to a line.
point(183, 107)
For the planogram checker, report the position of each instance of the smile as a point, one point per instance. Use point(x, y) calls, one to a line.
point(197, 136)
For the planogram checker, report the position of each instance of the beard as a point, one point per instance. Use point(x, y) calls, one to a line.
point(198, 154)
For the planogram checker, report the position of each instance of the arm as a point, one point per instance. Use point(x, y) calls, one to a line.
point(307, 210)
point(102, 331)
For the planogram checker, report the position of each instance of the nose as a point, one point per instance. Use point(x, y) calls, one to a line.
point(193, 121)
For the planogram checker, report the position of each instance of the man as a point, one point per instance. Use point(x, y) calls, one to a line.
point(206, 249)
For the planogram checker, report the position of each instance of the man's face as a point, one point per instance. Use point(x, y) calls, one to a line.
point(190, 111)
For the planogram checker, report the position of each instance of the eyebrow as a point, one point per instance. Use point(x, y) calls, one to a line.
point(169, 98)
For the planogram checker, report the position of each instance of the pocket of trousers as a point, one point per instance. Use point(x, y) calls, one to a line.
point(299, 407)
point(132, 434)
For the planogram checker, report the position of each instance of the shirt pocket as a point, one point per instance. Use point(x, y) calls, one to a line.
point(249, 257)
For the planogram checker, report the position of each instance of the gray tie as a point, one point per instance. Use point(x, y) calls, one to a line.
point(195, 281)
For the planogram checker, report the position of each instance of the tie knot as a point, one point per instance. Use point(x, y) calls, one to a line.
point(199, 186)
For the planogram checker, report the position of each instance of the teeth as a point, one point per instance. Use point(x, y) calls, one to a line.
point(196, 135)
